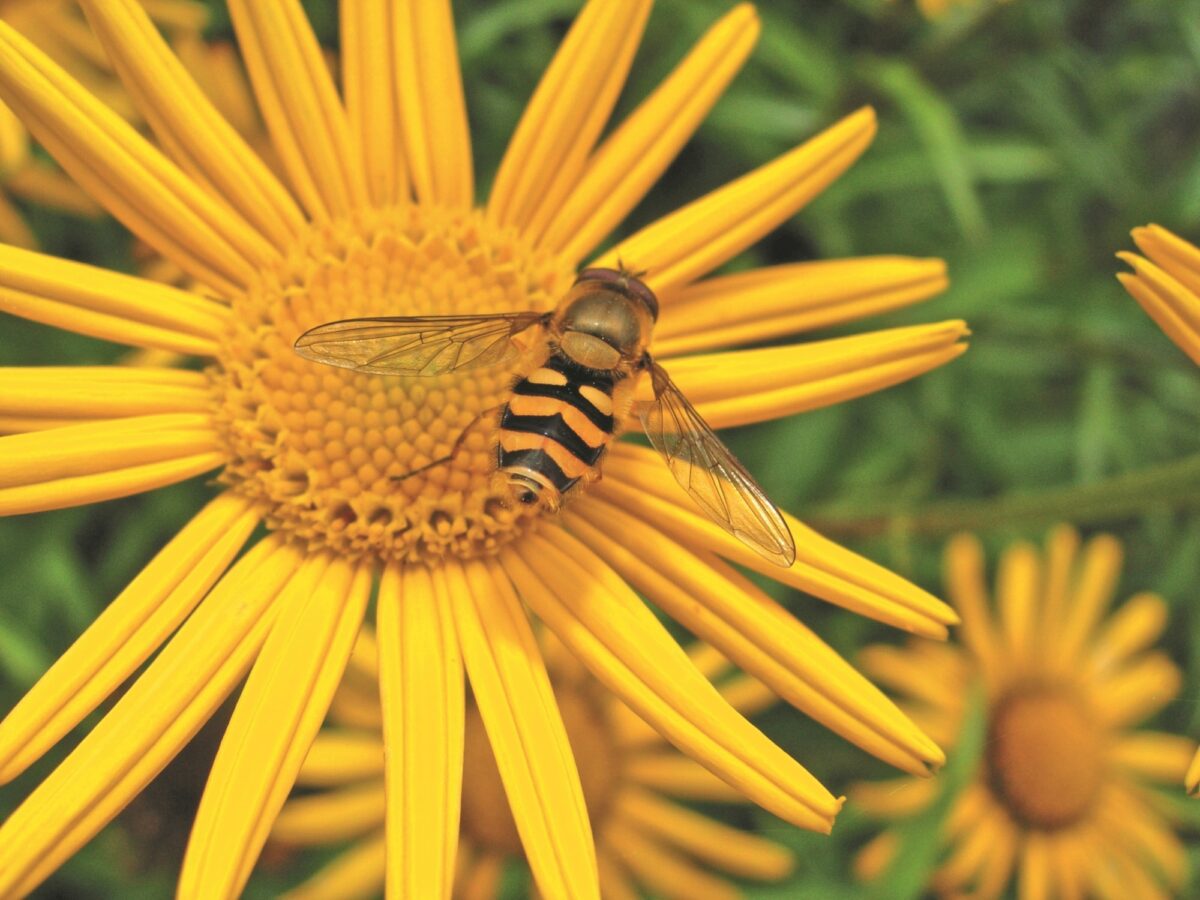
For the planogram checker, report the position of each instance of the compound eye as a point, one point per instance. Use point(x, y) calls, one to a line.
point(527, 497)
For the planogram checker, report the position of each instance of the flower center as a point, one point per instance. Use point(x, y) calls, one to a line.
point(1045, 756)
point(486, 816)
point(321, 448)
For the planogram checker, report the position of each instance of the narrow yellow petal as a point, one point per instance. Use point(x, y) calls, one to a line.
point(1034, 878)
point(1154, 755)
point(721, 846)
point(1146, 834)
point(187, 125)
point(331, 817)
point(1168, 303)
point(352, 707)
point(977, 850)
point(93, 447)
point(780, 300)
point(679, 776)
point(1062, 546)
point(663, 871)
point(698, 238)
point(125, 634)
point(82, 490)
point(122, 170)
point(356, 874)
point(47, 185)
point(1093, 591)
point(896, 798)
point(421, 687)
point(433, 113)
point(563, 118)
point(101, 392)
point(876, 855)
point(966, 586)
point(525, 729)
point(1171, 252)
point(627, 649)
point(108, 305)
point(720, 607)
point(744, 386)
point(1131, 629)
point(339, 756)
point(159, 713)
point(300, 105)
point(628, 163)
point(909, 673)
point(1137, 691)
point(13, 227)
point(640, 484)
point(1017, 595)
point(372, 104)
point(1191, 779)
point(276, 718)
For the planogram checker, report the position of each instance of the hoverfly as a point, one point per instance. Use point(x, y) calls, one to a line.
point(560, 419)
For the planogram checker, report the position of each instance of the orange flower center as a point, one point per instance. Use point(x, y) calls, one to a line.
point(486, 816)
point(321, 448)
point(1045, 756)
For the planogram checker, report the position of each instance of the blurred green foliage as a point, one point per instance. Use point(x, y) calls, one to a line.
point(1018, 141)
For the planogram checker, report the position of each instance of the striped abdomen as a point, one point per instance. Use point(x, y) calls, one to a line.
point(557, 425)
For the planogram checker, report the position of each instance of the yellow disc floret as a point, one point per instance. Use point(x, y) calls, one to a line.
point(321, 448)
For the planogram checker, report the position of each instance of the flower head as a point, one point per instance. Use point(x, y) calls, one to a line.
point(630, 778)
point(373, 215)
point(1061, 801)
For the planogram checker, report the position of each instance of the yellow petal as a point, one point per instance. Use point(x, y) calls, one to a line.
point(895, 798)
point(1172, 305)
point(189, 128)
point(564, 116)
point(47, 185)
point(107, 305)
point(627, 649)
point(13, 227)
point(331, 817)
point(159, 713)
point(372, 104)
point(118, 167)
point(433, 112)
point(1131, 629)
point(525, 729)
point(1154, 755)
point(876, 856)
point(744, 386)
point(966, 586)
point(774, 301)
point(356, 874)
point(482, 880)
point(125, 634)
point(1172, 253)
point(1138, 691)
point(421, 687)
point(1062, 546)
point(910, 673)
point(639, 484)
point(276, 718)
point(339, 756)
point(698, 238)
point(721, 846)
point(1018, 597)
point(1093, 591)
point(81, 490)
point(1146, 834)
point(101, 392)
point(1034, 881)
point(679, 776)
point(300, 105)
point(1191, 779)
point(663, 871)
point(621, 172)
point(615, 883)
point(720, 607)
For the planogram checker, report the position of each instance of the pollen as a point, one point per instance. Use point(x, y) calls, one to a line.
point(486, 814)
point(1046, 756)
point(325, 451)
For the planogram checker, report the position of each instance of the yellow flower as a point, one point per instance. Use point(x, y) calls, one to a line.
point(627, 772)
point(1062, 797)
point(58, 29)
point(1167, 285)
point(374, 216)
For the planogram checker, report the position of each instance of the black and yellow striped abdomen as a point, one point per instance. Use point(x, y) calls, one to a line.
point(557, 424)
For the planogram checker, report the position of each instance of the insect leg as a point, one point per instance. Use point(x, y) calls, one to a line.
point(454, 449)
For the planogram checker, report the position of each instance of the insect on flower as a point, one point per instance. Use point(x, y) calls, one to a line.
point(558, 422)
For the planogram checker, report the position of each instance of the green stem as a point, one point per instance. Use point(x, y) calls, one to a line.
point(1174, 485)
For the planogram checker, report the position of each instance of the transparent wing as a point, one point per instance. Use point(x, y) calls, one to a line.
point(417, 345)
point(710, 473)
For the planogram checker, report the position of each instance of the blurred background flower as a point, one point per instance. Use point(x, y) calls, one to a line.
point(1061, 801)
